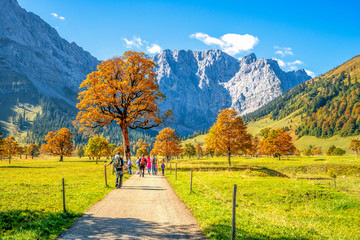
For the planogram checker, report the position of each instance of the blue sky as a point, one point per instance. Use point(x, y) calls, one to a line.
point(315, 35)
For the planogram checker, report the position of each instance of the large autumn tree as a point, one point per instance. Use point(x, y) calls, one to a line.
point(228, 135)
point(58, 143)
point(123, 89)
point(276, 142)
point(167, 144)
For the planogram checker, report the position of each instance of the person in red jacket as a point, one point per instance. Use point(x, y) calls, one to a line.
point(142, 165)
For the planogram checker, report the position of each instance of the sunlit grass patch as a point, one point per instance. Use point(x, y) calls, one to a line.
point(31, 195)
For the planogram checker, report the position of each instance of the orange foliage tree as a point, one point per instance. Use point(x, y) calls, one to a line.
point(58, 143)
point(167, 144)
point(123, 89)
point(228, 135)
point(276, 142)
point(355, 145)
point(10, 148)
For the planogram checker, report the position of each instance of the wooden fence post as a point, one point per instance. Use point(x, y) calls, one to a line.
point(105, 175)
point(191, 175)
point(233, 227)
point(63, 185)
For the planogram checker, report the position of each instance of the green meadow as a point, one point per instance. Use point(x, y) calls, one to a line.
point(31, 195)
point(288, 199)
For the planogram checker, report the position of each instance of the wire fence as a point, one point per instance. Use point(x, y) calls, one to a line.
point(228, 202)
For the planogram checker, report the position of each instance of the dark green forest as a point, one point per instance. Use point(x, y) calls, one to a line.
point(328, 105)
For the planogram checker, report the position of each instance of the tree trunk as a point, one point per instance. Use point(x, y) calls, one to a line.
point(126, 142)
point(20, 156)
point(32, 157)
point(97, 160)
point(279, 156)
point(61, 158)
point(26, 156)
point(9, 160)
point(229, 155)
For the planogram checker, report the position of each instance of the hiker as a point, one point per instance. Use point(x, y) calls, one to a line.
point(129, 164)
point(148, 160)
point(153, 163)
point(118, 164)
point(156, 168)
point(138, 164)
point(163, 167)
point(142, 165)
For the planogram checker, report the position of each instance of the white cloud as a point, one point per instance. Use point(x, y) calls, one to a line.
point(283, 51)
point(310, 73)
point(280, 62)
point(289, 65)
point(55, 15)
point(154, 48)
point(142, 45)
point(296, 62)
point(135, 42)
point(230, 43)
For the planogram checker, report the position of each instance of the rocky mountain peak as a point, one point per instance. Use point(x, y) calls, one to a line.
point(198, 84)
point(249, 58)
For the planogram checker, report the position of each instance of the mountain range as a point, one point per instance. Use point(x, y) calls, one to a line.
point(198, 84)
point(40, 73)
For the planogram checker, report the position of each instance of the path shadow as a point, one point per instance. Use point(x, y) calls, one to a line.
point(144, 188)
point(89, 227)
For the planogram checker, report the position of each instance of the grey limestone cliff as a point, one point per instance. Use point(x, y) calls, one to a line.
point(198, 84)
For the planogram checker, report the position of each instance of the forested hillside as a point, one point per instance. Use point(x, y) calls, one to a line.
point(327, 105)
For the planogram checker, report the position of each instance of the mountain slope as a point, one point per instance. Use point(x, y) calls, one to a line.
point(325, 106)
point(198, 84)
point(38, 69)
point(30, 46)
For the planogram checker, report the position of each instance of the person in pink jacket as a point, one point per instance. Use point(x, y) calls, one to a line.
point(148, 164)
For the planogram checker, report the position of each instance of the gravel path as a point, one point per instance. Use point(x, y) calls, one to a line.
point(145, 208)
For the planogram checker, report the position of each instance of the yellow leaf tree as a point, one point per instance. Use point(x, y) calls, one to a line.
point(167, 144)
point(58, 143)
point(228, 135)
point(276, 142)
point(199, 151)
point(123, 89)
point(10, 148)
point(143, 148)
point(97, 147)
point(355, 146)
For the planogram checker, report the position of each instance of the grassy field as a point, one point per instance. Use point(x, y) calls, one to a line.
point(31, 195)
point(287, 199)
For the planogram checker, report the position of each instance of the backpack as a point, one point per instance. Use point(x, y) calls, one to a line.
point(142, 162)
point(118, 162)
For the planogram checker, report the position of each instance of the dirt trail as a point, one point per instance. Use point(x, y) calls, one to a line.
point(145, 208)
